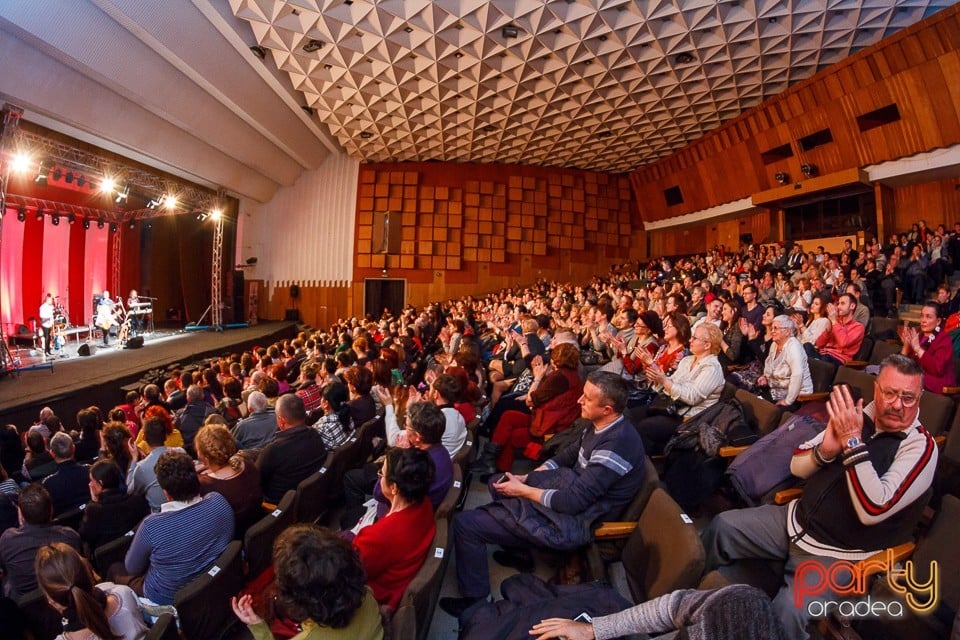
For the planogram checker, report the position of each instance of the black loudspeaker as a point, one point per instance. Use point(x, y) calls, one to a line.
point(134, 343)
point(239, 306)
point(292, 315)
point(86, 349)
point(294, 291)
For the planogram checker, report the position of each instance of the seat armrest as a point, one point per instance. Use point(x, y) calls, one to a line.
point(731, 452)
point(878, 562)
point(613, 530)
point(940, 440)
point(951, 391)
point(813, 397)
point(737, 367)
point(787, 495)
point(857, 364)
point(268, 507)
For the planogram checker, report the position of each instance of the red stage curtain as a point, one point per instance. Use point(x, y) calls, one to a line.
point(32, 291)
point(11, 272)
point(78, 245)
point(95, 268)
point(56, 261)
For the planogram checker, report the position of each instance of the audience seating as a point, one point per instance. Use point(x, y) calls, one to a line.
point(70, 518)
point(366, 433)
point(314, 494)
point(936, 412)
point(881, 350)
point(662, 554)
point(446, 508)
point(465, 456)
point(43, 622)
point(610, 550)
point(762, 414)
point(111, 552)
point(860, 360)
point(413, 616)
point(165, 628)
point(345, 457)
point(259, 538)
point(203, 606)
point(859, 379)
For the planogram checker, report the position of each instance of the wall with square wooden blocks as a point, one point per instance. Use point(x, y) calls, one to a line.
point(492, 219)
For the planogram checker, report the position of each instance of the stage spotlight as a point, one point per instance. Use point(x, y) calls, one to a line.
point(133, 224)
point(781, 177)
point(215, 214)
point(57, 174)
point(39, 213)
point(100, 223)
point(55, 219)
point(122, 195)
point(81, 181)
point(86, 223)
point(107, 185)
point(21, 163)
point(170, 202)
point(22, 214)
point(71, 218)
point(113, 227)
point(69, 177)
point(809, 170)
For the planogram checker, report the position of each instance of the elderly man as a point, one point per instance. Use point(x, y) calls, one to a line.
point(193, 415)
point(259, 427)
point(68, 485)
point(557, 504)
point(869, 476)
point(294, 454)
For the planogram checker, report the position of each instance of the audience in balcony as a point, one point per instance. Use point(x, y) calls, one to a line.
point(931, 347)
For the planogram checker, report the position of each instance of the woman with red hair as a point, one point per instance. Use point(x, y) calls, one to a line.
point(174, 439)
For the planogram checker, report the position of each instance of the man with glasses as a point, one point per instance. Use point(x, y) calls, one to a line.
point(868, 478)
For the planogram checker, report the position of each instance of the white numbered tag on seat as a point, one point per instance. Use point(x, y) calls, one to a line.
point(456, 484)
point(438, 552)
point(214, 570)
point(687, 519)
point(276, 513)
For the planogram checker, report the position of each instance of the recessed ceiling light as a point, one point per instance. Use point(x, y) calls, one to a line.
point(408, 29)
point(313, 45)
point(259, 51)
point(603, 38)
point(366, 135)
point(685, 58)
point(458, 54)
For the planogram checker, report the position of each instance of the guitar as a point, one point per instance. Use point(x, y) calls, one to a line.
point(107, 318)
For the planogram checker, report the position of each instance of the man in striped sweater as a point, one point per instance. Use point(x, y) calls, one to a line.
point(869, 477)
point(171, 547)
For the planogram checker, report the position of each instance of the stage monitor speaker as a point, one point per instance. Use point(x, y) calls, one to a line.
point(86, 349)
point(292, 315)
point(294, 291)
point(134, 343)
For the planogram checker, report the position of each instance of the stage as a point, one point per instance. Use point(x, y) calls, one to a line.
point(69, 382)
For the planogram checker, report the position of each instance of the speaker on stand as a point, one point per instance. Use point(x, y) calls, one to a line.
point(293, 314)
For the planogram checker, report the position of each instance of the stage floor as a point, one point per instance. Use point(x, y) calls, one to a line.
point(69, 382)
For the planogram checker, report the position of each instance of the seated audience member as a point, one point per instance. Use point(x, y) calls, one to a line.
point(88, 610)
point(118, 415)
point(359, 382)
point(553, 401)
point(151, 398)
point(9, 495)
point(19, 546)
point(444, 392)
point(868, 478)
point(425, 425)
point(839, 344)
point(335, 425)
point(172, 437)
point(177, 398)
point(321, 584)
point(260, 425)
point(734, 612)
point(732, 346)
point(171, 547)
point(38, 462)
point(142, 478)
point(89, 424)
point(588, 480)
point(117, 447)
point(111, 511)
point(228, 473)
point(192, 416)
point(68, 485)
point(756, 347)
point(129, 407)
point(931, 347)
point(12, 452)
point(309, 391)
point(231, 406)
point(786, 373)
point(294, 454)
point(695, 386)
point(817, 321)
point(393, 548)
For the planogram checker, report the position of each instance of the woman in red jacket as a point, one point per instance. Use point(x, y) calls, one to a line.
point(393, 548)
point(932, 348)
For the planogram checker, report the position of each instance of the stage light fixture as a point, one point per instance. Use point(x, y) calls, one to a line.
point(20, 163)
point(22, 214)
point(313, 45)
point(113, 227)
point(216, 214)
point(57, 174)
point(170, 202)
point(100, 223)
point(81, 181)
point(55, 219)
point(86, 223)
point(69, 177)
point(107, 185)
point(510, 31)
point(39, 213)
point(809, 170)
point(133, 224)
point(122, 195)
point(41, 173)
point(259, 51)
point(72, 218)
point(781, 177)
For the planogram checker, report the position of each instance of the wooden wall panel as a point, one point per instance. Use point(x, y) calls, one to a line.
point(319, 306)
point(936, 202)
point(916, 69)
point(483, 227)
point(706, 236)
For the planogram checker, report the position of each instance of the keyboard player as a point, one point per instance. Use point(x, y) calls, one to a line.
point(137, 311)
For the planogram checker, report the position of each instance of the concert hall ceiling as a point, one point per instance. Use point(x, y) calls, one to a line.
point(594, 84)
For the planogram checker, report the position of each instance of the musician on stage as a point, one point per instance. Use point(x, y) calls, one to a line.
point(106, 318)
point(46, 323)
point(133, 302)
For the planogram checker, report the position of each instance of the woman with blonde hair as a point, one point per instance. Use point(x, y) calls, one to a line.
point(104, 611)
point(228, 473)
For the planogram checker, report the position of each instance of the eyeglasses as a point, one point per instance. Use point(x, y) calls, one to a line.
point(699, 339)
point(906, 399)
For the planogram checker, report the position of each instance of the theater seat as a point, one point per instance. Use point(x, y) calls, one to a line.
point(111, 552)
point(258, 541)
point(165, 628)
point(315, 493)
point(412, 618)
point(203, 606)
point(43, 622)
point(446, 508)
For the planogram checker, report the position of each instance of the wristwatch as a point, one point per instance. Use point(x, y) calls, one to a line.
point(852, 441)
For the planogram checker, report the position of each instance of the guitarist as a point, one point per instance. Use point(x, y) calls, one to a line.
point(106, 316)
